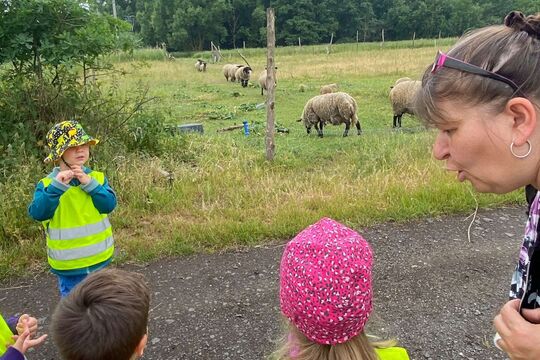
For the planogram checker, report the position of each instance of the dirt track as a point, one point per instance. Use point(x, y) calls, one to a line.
point(435, 291)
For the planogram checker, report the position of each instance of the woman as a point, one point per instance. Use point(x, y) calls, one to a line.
point(484, 98)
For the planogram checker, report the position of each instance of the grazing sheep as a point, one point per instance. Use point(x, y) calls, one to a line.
point(229, 71)
point(200, 65)
point(401, 80)
point(335, 108)
point(262, 81)
point(330, 88)
point(242, 74)
point(232, 72)
point(402, 98)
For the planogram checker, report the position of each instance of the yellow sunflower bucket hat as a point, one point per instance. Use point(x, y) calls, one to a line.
point(64, 135)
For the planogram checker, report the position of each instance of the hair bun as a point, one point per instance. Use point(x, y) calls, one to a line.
point(517, 21)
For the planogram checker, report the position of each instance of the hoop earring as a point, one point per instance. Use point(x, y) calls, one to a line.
point(521, 156)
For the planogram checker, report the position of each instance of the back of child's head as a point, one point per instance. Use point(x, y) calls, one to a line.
point(326, 293)
point(104, 318)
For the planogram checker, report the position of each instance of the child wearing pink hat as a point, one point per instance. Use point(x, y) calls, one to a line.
point(326, 295)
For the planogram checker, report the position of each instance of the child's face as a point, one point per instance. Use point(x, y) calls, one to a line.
point(77, 155)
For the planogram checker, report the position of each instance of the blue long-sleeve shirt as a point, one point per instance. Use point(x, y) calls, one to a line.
point(12, 354)
point(46, 200)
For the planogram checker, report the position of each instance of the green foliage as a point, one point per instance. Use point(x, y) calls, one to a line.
point(53, 51)
point(187, 25)
point(145, 132)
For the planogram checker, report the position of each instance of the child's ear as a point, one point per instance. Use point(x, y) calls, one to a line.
point(139, 350)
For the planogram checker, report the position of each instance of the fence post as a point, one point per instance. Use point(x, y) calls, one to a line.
point(270, 84)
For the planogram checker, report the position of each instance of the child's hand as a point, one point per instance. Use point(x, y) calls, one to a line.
point(65, 176)
point(81, 175)
point(32, 324)
point(24, 341)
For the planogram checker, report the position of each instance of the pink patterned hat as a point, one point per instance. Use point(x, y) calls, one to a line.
point(325, 282)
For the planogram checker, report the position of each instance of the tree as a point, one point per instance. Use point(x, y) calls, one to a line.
point(196, 23)
point(48, 43)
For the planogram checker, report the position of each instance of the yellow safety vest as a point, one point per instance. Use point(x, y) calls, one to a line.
point(392, 353)
point(78, 236)
point(5, 336)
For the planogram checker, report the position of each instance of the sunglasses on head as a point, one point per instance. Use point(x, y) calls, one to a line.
point(443, 60)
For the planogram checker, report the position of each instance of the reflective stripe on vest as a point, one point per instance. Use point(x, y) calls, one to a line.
point(81, 252)
point(5, 336)
point(78, 236)
point(79, 232)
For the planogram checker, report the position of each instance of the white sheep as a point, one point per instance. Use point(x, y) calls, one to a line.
point(401, 80)
point(262, 80)
point(330, 88)
point(200, 65)
point(243, 74)
point(229, 71)
point(402, 98)
point(335, 108)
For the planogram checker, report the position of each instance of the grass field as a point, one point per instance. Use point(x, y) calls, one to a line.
point(224, 194)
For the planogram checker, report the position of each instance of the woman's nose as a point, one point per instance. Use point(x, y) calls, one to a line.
point(441, 150)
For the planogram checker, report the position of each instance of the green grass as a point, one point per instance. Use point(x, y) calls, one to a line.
point(225, 194)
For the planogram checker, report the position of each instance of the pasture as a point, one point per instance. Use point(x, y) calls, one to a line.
point(224, 194)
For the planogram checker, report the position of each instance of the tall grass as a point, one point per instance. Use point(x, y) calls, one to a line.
point(223, 192)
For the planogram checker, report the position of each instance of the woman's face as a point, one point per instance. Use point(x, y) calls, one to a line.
point(475, 143)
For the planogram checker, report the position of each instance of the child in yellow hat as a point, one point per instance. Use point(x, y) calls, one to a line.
point(72, 202)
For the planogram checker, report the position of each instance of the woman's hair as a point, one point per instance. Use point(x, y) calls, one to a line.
point(511, 50)
point(296, 346)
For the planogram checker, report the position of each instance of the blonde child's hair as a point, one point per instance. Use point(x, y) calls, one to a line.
point(296, 346)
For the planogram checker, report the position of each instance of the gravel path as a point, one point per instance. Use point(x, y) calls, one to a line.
point(435, 291)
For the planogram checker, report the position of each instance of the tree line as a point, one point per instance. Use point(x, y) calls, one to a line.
point(186, 25)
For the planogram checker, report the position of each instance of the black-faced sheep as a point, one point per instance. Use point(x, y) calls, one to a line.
point(200, 65)
point(242, 74)
point(402, 98)
point(262, 81)
point(335, 108)
point(330, 88)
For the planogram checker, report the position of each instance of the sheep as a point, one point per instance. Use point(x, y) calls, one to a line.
point(402, 98)
point(330, 88)
point(401, 80)
point(242, 74)
point(262, 81)
point(200, 65)
point(229, 71)
point(335, 108)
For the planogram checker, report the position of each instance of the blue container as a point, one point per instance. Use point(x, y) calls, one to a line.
point(246, 127)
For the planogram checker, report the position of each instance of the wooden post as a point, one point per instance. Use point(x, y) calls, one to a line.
point(270, 84)
point(382, 35)
point(244, 45)
point(413, 38)
point(356, 40)
point(329, 48)
point(299, 42)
